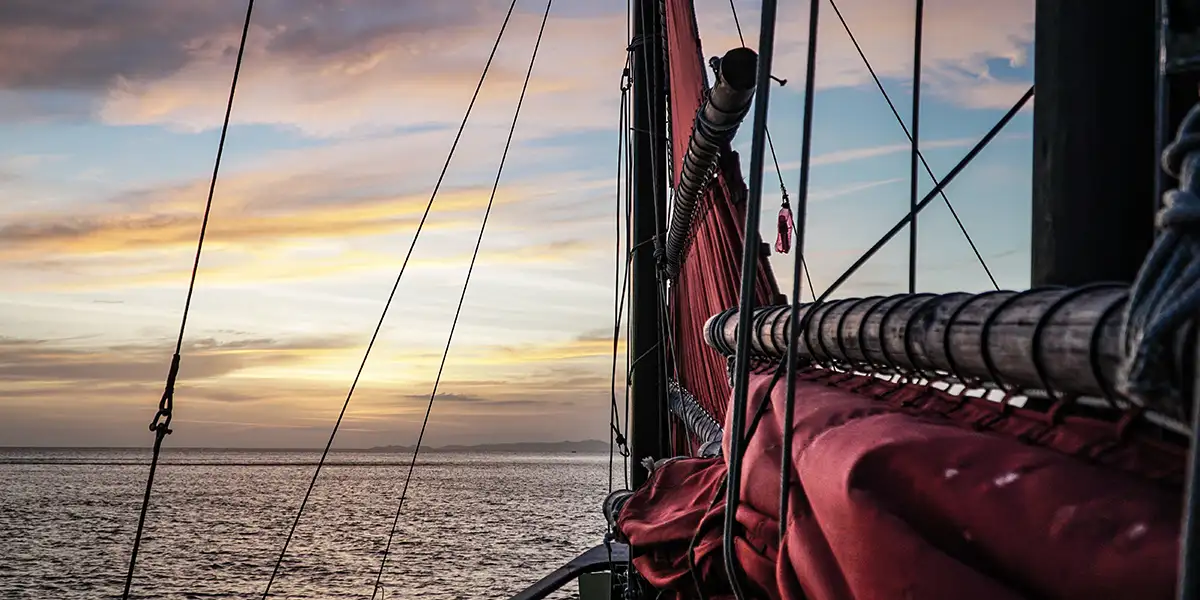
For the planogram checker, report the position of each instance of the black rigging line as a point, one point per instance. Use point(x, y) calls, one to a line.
point(920, 156)
point(620, 284)
point(746, 301)
point(391, 296)
point(161, 425)
point(916, 128)
point(770, 142)
point(463, 296)
point(778, 172)
point(801, 218)
point(929, 197)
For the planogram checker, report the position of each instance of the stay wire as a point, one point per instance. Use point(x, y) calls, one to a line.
point(915, 139)
point(620, 266)
point(925, 164)
point(387, 305)
point(929, 197)
point(749, 269)
point(463, 296)
point(779, 173)
point(770, 143)
point(801, 220)
point(161, 425)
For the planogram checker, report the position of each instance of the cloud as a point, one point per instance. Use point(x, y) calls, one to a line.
point(276, 389)
point(850, 189)
point(44, 362)
point(961, 42)
point(324, 69)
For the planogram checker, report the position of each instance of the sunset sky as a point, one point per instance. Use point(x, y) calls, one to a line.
point(109, 118)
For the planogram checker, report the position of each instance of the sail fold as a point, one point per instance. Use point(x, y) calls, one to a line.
point(907, 492)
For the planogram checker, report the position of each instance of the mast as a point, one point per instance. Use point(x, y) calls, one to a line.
point(648, 421)
point(1094, 140)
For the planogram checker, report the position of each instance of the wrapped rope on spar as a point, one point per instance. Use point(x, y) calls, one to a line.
point(1064, 341)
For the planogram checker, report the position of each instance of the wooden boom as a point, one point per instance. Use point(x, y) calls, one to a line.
point(1066, 342)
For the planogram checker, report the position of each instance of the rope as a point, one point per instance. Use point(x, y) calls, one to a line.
point(161, 425)
point(746, 296)
point(616, 440)
point(915, 139)
point(463, 296)
point(1166, 293)
point(920, 156)
point(391, 296)
point(770, 143)
point(810, 77)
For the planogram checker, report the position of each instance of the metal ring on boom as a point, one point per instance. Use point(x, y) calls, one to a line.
point(1110, 392)
point(908, 337)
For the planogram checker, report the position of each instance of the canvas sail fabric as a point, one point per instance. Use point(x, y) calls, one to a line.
point(908, 492)
point(710, 275)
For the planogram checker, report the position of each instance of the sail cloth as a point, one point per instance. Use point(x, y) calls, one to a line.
point(909, 492)
point(710, 276)
point(898, 491)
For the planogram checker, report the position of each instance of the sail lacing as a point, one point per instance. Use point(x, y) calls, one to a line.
point(391, 296)
point(161, 425)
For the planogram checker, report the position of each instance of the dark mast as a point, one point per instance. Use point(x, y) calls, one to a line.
point(648, 418)
point(1094, 144)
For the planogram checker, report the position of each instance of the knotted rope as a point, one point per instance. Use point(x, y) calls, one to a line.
point(1166, 293)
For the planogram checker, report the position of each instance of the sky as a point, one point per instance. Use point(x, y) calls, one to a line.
point(110, 113)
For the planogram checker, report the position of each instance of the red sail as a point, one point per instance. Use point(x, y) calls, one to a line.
point(711, 275)
point(897, 491)
point(908, 492)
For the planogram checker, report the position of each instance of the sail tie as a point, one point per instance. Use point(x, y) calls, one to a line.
point(783, 242)
point(1166, 293)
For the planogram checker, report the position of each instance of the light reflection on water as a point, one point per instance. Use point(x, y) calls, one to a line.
point(474, 525)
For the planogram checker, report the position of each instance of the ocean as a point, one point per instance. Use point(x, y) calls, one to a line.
point(474, 525)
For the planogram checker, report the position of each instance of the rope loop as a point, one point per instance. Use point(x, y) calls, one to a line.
point(1166, 294)
point(162, 419)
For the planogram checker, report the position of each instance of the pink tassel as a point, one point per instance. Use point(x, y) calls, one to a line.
point(783, 243)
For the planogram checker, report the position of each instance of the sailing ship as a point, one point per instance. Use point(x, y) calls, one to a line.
point(1008, 444)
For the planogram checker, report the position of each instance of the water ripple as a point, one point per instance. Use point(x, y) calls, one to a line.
point(474, 525)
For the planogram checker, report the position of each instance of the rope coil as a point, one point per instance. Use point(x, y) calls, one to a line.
point(1166, 294)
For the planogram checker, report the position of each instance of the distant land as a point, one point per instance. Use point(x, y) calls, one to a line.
point(585, 446)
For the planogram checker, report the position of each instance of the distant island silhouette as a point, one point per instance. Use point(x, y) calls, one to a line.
point(586, 446)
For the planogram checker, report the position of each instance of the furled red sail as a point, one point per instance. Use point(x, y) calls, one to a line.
point(898, 491)
point(711, 267)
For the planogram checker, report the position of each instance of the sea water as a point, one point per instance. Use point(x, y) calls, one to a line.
point(473, 526)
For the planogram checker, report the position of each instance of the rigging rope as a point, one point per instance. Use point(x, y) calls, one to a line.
point(391, 296)
point(1166, 293)
point(900, 121)
point(463, 296)
point(161, 425)
point(929, 197)
point(932, 194)
point(915, 139)
point(746, 297)
point(786, 222)
point(620, 285)
point(793, 359)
